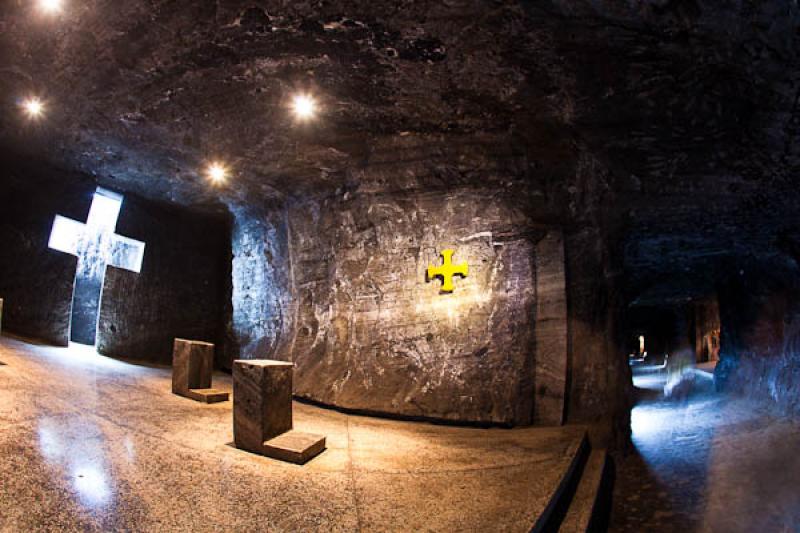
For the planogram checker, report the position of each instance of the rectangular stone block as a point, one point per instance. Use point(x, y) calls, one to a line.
point(262, 407)
point(208, 395)
point(192, 365)
point(295, 447)
point(192, 369)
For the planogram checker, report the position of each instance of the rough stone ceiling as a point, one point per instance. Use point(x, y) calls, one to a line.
point(666, 94)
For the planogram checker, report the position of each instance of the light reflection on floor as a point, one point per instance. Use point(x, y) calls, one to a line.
point(706, 462)
point(74, 445)
point(86, 357)
point(649, 378)
point(661, 486)
point(89, 480)
point(656, 417)
point(92, 444)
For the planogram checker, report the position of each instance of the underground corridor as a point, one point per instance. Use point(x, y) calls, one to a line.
point(347, 265)
point(701, 458)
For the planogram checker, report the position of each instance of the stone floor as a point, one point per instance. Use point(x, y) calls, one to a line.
point(706, 463)
point(88, 443)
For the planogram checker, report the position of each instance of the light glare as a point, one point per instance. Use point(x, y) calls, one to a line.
point(33, 107)
point(90, 482)
point(217, 172)
point(304, 106)
point(50, 6)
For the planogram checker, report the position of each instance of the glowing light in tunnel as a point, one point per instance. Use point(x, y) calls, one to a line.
point(33, 107)
point(645, 422)
point(304, 106)
point(217, 172)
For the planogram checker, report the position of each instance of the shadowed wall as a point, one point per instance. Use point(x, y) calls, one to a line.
point(35, 281)
point(180, 291)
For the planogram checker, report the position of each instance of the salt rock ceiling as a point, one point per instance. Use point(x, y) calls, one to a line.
point(681, 95)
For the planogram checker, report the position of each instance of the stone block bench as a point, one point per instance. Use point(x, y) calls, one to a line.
point(192, 367)
point(262, 412)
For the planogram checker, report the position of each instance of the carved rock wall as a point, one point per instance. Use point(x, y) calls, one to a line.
point(180, 291)
point(261, 320)
point(550, 330)
point(760, 334)
point(36, 282)
point(371, 334)
point(599, 376)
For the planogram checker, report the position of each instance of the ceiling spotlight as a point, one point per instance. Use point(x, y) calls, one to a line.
point(217, 172)
point(304, 106)
point(50, 6)
point(33, 107)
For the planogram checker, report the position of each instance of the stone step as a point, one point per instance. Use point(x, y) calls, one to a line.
point(584, 512)
point(295, 446)
point(550, 519)
point(209, 395)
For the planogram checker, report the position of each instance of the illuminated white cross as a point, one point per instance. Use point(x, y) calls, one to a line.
point(96, 239)
point(96, 246)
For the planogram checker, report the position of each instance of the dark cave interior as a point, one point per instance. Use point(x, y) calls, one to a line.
point(608, 170)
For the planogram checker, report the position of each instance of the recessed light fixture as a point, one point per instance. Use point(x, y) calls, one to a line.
point(51, 6)
point(304, 106)
point(33, 107)
point(217, 172)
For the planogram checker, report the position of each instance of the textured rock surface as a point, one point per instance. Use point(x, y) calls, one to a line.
point(261, 321)
point(666, 94)
point(350, 306)
point(760, 342)
point(370, 332)
point(36, 282)
point(429, 71)
point(550, 330)
point(599, 372)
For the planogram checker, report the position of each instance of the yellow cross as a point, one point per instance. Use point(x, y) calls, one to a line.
point(447, 271)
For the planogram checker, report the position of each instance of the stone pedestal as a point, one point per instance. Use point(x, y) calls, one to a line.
point(192, 367)
point(262, 412)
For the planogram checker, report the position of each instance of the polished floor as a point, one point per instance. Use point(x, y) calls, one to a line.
point(88, 443)
point(706, 462)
